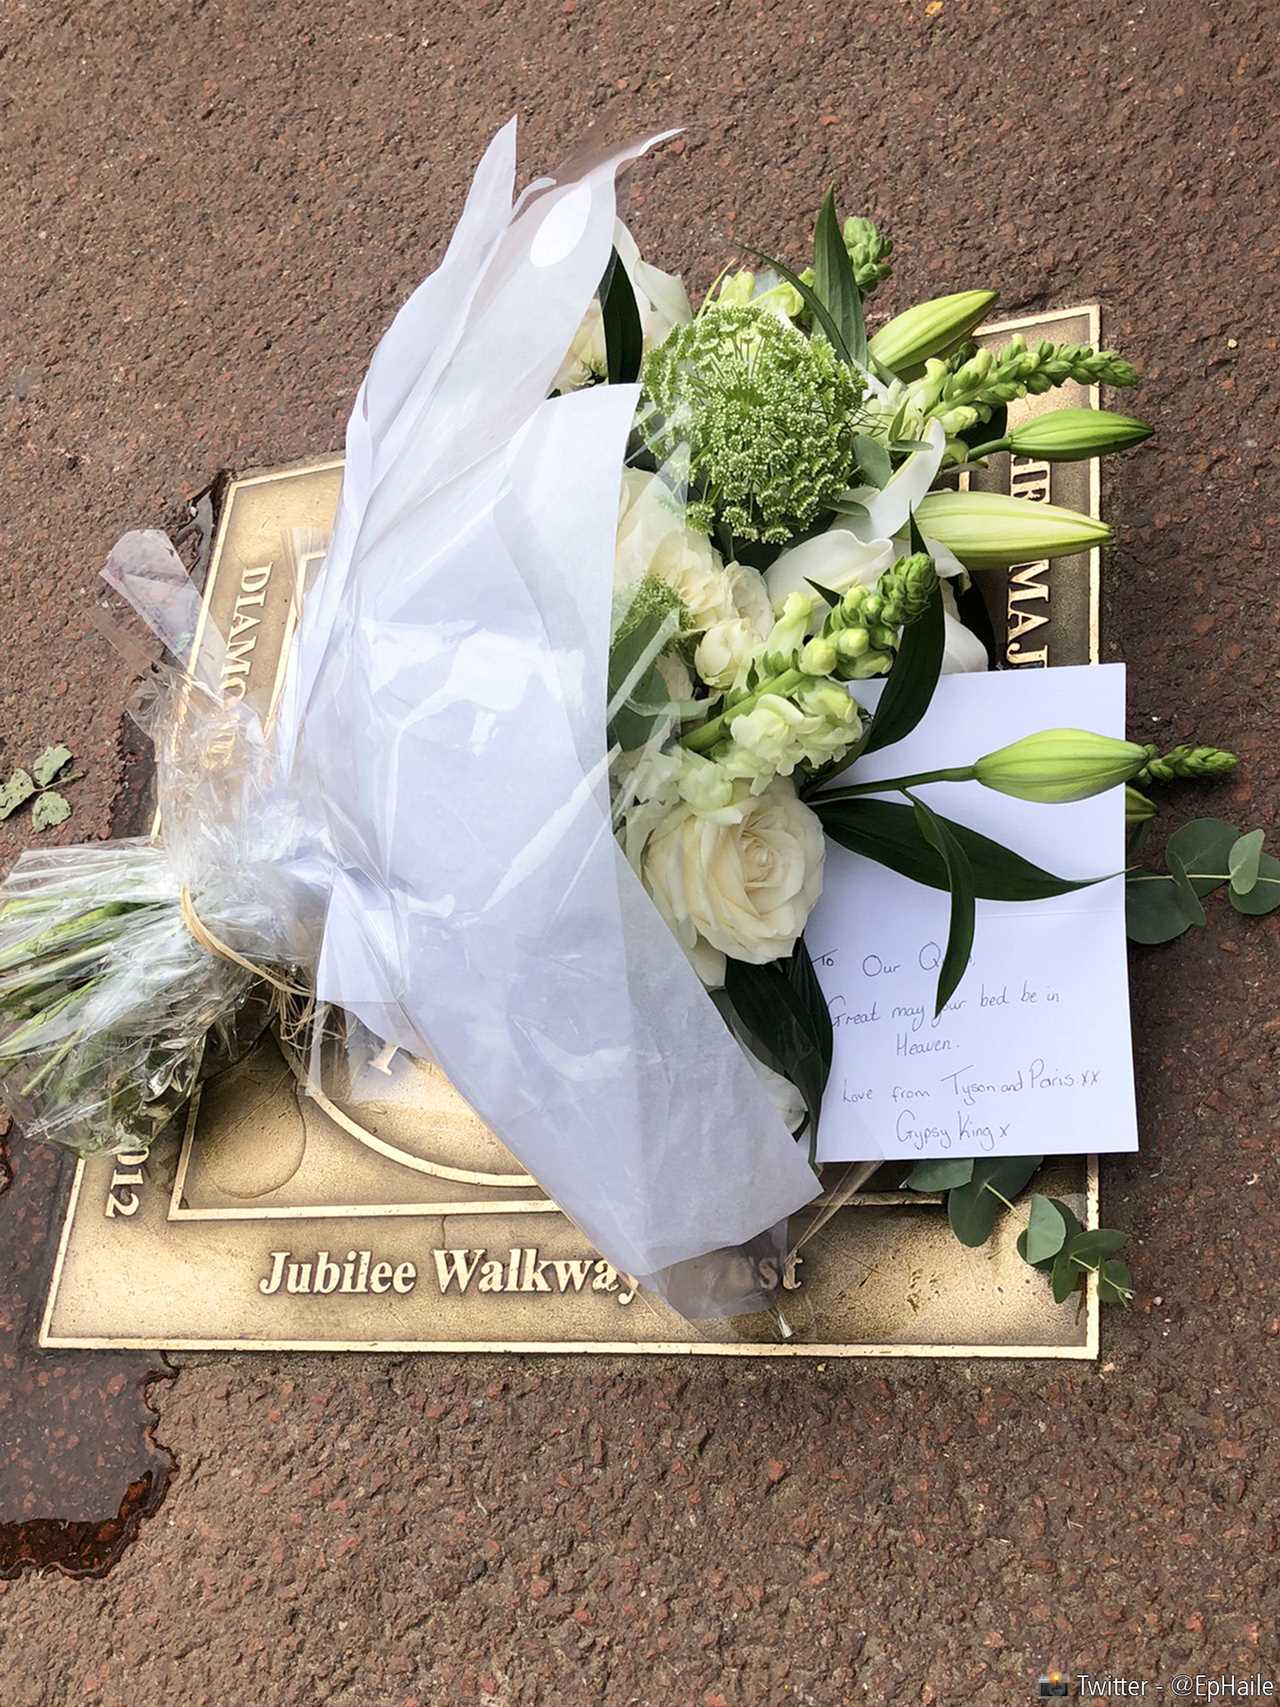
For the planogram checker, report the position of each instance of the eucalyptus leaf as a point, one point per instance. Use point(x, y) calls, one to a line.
point(1153, 910)
point(912, 678)
point(972, 1209)
point(1009, 1174)
point(1264, 897)
point(1115, 1284)
point(1187, 898)
point(873, 459)
point(1204, 847)
point(12, 793)
point(49, 811)
point(886, 832)
point(1096, 1243)
point(47, 765)
point(943, 1174)
point(1046, 1231)
point(834, 281)
point(1245, 861)
point(1066, 1277)
point(955, 958)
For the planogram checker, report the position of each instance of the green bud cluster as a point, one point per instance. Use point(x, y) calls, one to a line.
point(869, 253)
point(1182, 764)
point(985, 379)
point(766, 416)
point(906, 588)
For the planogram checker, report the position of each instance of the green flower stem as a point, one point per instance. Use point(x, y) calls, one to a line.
point(987, 1186)
point(1139, 876)
point(702, 740)
point(961, 773)
point(38, 1078)
point(991, 449)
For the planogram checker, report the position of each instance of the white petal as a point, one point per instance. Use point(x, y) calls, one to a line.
point(962, 651)
point(888, 511)
point(837, 559)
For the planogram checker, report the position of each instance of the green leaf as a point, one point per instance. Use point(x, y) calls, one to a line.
point(12, 793)
point(632, 723)
point(623, 336)
point(1066, 1277)
point(1245, 861)
point(804, 981)
point(832, 599)
point(785, 1011)
point(912, 678)
point(834, 282)
point(1187, 898)
point(1046, 1231)
point(1204, 847)
point(49, 763)
point(1008, 1174)
point(940, 1175)
point(972, 1209)
point(49, 811)
point(960, 882)
point(812, 301)
point(1115, 1284)
point(1264, 897)
point(1153, 911)
point(886, 832)
point(873, 459)
point(1094, 1244)
point(1069, 1217)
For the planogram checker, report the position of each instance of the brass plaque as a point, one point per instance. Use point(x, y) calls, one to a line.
point(273, 1220)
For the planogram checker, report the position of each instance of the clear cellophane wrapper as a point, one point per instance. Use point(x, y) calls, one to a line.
point(425, 832)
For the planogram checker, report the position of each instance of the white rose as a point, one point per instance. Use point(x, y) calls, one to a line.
point(743, 889)
point(726, 652)
point(653, 539)
point(586, 359)
point(751, 597)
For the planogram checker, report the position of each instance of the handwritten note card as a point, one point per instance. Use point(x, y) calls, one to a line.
point(1032, 1054)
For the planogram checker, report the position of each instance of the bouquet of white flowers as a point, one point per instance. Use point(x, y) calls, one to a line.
point(568, 718)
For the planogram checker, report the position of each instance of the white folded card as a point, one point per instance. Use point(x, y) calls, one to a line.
point(1032, 1055)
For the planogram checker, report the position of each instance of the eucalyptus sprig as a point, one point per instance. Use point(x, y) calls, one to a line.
point(49, 807)
point(1053, 1241)
point(1201, 857)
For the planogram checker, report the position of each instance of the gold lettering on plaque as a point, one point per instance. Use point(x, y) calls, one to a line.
point(239, 655)
point(1030, 480)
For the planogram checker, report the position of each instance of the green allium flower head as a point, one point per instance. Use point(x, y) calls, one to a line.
point(768, 417)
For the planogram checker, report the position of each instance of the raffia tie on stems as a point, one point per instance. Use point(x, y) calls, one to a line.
point(294, 1003)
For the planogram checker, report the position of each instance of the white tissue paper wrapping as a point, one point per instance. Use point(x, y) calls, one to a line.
point(443, 727)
